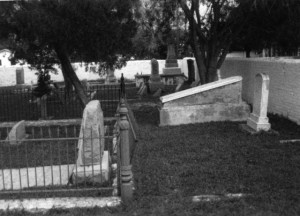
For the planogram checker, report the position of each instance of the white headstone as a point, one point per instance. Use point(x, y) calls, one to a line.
point(93, 163)
point(258, 119)
point(17, 133)
point(91, 137)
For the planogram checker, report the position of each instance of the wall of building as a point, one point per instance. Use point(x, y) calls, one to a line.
point(284, 94)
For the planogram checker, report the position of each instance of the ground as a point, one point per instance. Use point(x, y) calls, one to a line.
point(173, 164)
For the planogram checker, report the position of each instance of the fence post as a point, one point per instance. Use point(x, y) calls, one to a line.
point(126, 173)
point(122, 87)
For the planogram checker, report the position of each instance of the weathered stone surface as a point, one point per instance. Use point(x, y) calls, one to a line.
point(178, 115)
point(98, 173)
point(217, 101)
point(171, 52)
point(258, 119)
point(173, 61)
point(111, 78)
point(224, 91)
point(17, 133)
point(154, 67)
point(154, 86)
point(225, 94)
point(168, 65)
point(155, 82)
point(20, 75)
point(157, 93)
point(91, 137)
point(172, 70)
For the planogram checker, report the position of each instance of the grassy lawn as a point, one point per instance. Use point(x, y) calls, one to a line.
point(172, 164)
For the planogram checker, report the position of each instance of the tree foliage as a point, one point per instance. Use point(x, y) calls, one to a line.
point(61, 31)
point(280, 29)
point(213, 24)
point(160, 23)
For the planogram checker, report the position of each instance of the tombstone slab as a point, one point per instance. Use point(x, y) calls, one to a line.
point(91, 142)
point(20, 76)
point(155, 82)
point(98, 173)
point(171, 65)
point(17, 133)
point(216, 101)
point(111, 78)
point(258, 119)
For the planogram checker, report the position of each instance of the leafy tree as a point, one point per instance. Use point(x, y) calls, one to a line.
point(60, 31)
point(280, 29)
point(213, 24)
point(160, 23)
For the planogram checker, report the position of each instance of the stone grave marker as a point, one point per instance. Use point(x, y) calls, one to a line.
point(258, 119)
point(171, 65)
point(155, 82)
point(93, 162)
point(17, 133)
point(19, 76)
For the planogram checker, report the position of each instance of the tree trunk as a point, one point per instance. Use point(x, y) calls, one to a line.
point(69, 73)
point(200, 59)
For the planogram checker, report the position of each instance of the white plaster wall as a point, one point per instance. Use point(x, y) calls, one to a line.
point(8, 74)
point(284, 94)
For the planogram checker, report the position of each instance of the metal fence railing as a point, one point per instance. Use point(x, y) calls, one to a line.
point(20, 104)
point(125, 139)
point(46, 162)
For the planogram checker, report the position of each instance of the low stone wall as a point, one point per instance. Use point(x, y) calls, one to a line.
point(284, 91)
point(216, 101)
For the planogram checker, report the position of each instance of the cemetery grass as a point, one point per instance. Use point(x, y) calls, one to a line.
point(173, 164)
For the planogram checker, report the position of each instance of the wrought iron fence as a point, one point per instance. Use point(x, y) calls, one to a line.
point(46, 163)
point(20, 104)
point(124, 142)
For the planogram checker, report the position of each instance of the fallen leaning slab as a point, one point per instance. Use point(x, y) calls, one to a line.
point(17, 133)
point(216, 101)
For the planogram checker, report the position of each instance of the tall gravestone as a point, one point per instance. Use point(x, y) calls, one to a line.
point(19, 76)
point(92, 162)
point(171, 66)
point(258, 119)
point(155, 82)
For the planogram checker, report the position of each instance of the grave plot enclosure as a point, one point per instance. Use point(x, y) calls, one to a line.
point(44, 163)
point(216, 101)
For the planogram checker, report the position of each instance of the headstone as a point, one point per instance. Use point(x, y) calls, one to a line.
point(258, 119)
point(110, 78)
point(91, 137)
point(17, 133)
point(191, 71)
point(19, 76)
point(155, 82)
point(171, 65)
point(93, 162)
